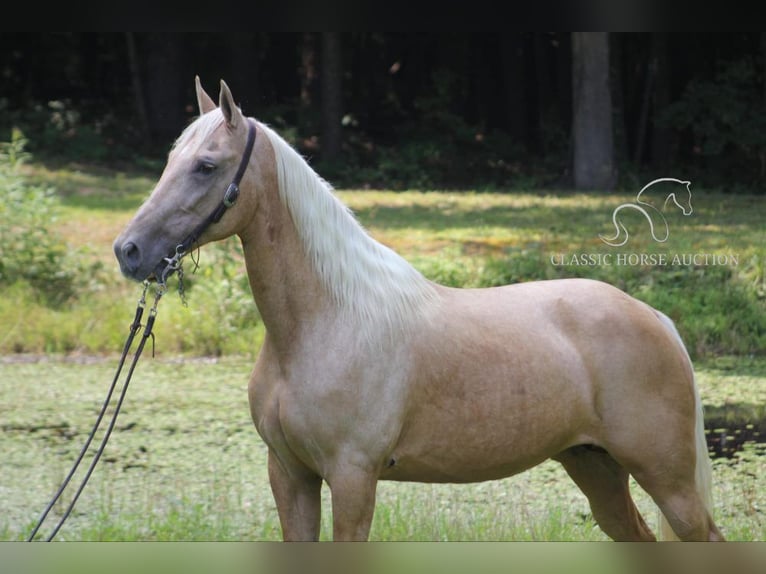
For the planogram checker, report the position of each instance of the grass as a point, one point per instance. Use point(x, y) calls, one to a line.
point(185, 463)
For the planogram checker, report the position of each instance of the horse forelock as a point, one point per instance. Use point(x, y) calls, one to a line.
point(199, 130)
point(363, 276)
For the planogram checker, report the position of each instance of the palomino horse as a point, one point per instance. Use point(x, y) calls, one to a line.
point(369, 371)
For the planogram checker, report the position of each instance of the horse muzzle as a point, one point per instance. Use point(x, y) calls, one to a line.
point(137, 263)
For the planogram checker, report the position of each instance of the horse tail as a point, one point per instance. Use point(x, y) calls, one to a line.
point(703, 468)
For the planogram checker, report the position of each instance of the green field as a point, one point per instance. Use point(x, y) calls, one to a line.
point(185, 462)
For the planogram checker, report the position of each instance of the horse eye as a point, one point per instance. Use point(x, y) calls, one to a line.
point(204, 168)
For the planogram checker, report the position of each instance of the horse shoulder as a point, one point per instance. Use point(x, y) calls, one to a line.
point(264, 389)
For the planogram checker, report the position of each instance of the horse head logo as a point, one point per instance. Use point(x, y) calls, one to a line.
point(657, 221)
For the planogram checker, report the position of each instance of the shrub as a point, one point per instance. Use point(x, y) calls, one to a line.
point(29, 251)
point(725, 119)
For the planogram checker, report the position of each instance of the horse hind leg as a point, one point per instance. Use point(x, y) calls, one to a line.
point(605, 483)
point(675, 492)
point(688, 517)
point(676, 480)
point(675, 469)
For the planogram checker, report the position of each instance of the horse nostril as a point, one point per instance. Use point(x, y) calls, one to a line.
point(131, 256)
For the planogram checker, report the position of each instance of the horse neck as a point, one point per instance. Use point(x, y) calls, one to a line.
point(286, 290)
point(310, 261)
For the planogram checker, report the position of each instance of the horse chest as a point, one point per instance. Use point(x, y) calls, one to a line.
point(316, 421)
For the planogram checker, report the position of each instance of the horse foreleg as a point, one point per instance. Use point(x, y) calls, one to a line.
point(297, 493)
point(353, 502)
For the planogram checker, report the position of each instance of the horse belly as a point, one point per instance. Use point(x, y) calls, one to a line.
point(446, 467)
point(491, 427)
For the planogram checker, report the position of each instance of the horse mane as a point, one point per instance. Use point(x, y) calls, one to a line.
point(362, 275)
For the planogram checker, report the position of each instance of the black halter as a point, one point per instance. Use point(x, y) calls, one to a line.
point(229, 198)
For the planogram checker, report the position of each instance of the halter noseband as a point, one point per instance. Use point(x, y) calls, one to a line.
point(229, 199)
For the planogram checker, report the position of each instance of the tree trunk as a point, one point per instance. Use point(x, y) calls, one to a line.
point(332, 95)
point(164, 91)
point(643, 118)
point(243, 77)
point(542, 119)
point(591, 112)
point(762, 151)
point(512, 60)
point(763, 63)
point(661, 136)
point(307, 70)
point(137, 84)
point(619, 109)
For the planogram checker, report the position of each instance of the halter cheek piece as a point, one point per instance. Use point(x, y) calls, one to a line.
point(229, 199)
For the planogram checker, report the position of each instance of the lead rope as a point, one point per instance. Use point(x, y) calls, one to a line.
point(134, 328)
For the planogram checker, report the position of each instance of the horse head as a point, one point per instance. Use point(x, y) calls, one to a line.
point(188, 206)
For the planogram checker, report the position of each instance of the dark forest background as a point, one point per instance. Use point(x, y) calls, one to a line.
point(411, 110)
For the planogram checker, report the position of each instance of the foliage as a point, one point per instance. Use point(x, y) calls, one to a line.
point(63, 130)
point(726, 119)
point(30, 251)
point(442, 150)
point(420, 110)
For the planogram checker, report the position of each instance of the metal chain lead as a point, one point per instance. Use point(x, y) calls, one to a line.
point(162, 288)
point(181, 286)
point(175, 265)
point(134, 328)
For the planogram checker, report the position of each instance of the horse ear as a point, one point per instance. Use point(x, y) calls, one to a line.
point(231, 112)
point(205, 102)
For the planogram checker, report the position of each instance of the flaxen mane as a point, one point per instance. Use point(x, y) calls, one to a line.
point(363, 276)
